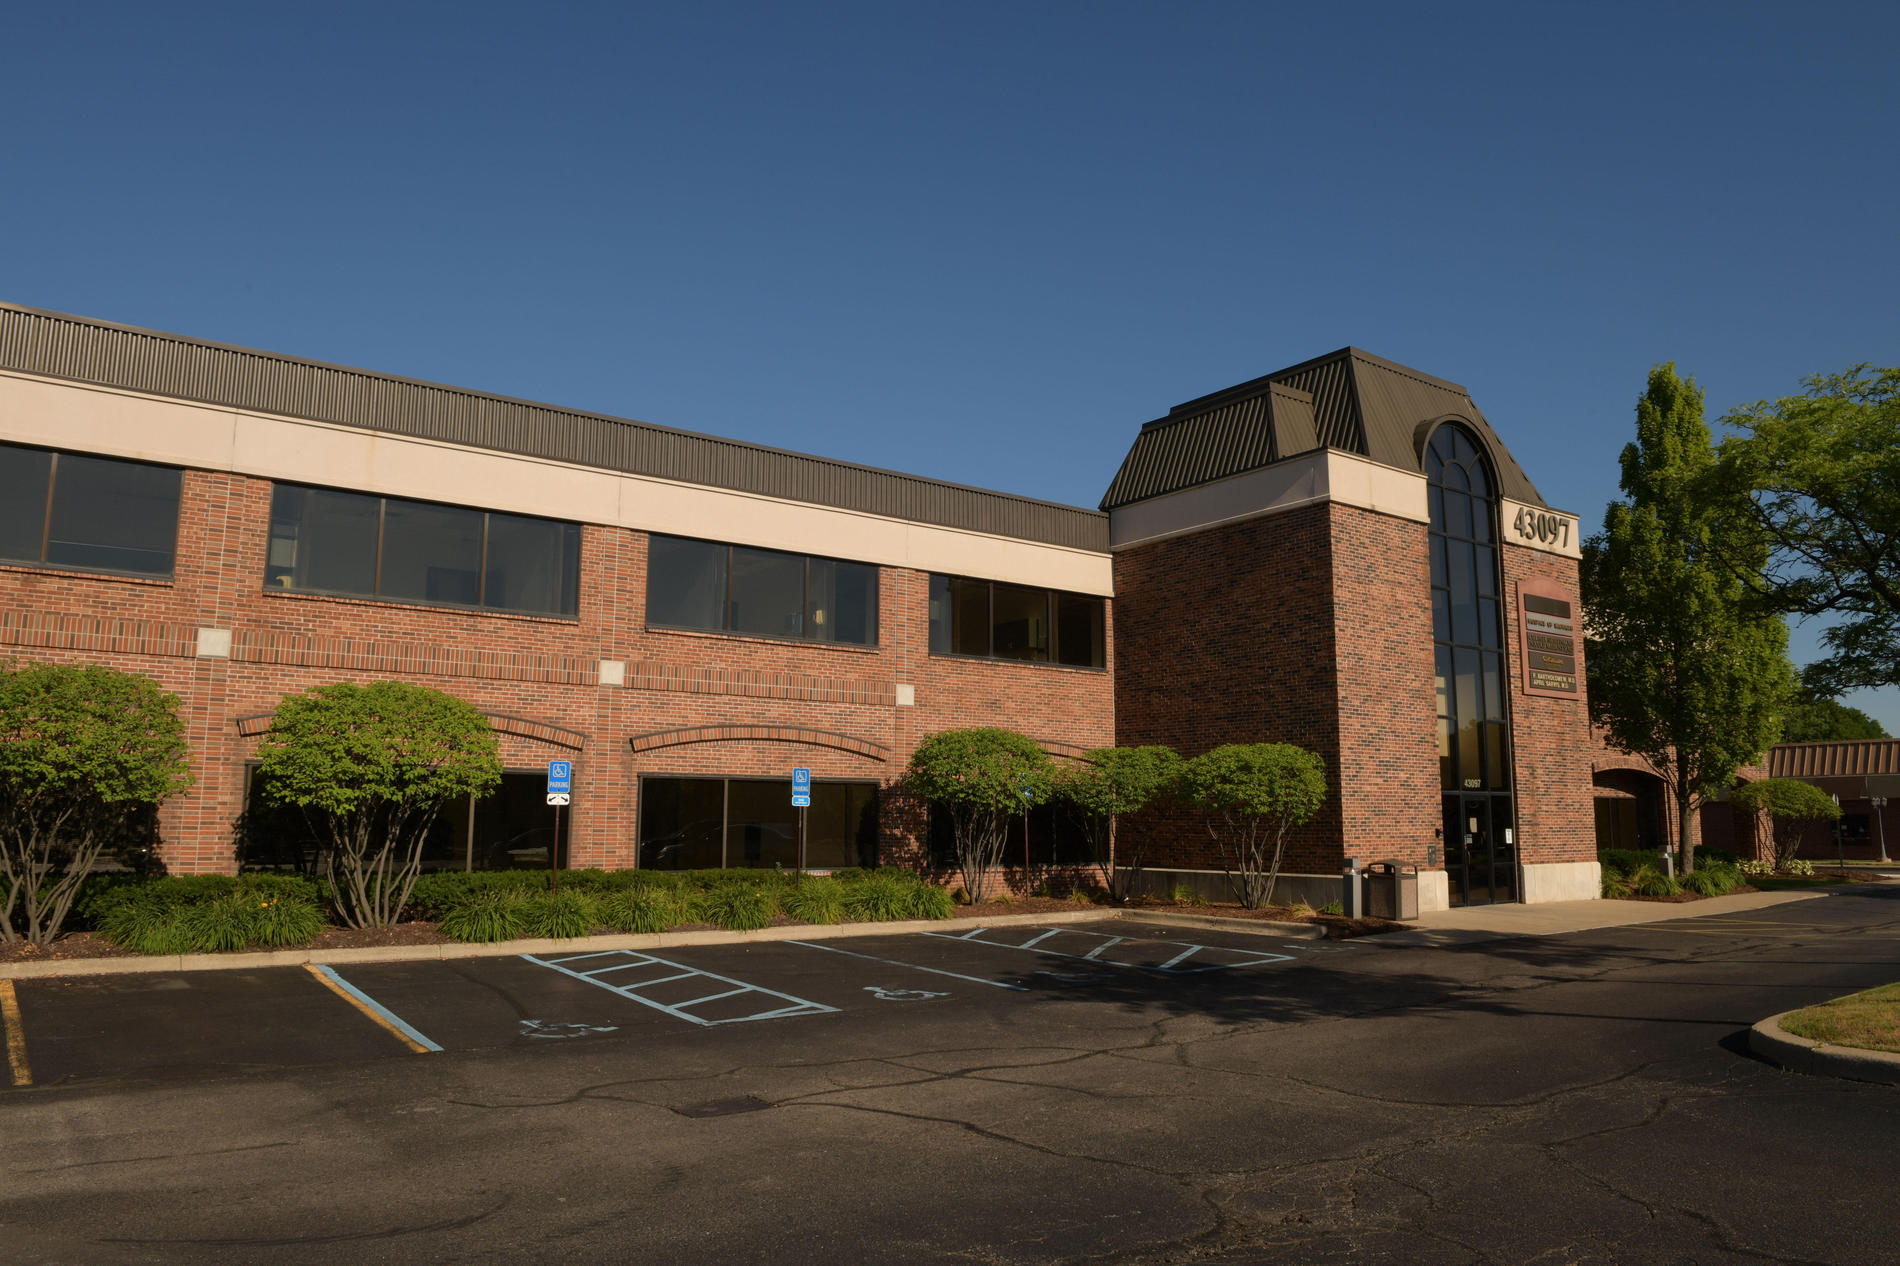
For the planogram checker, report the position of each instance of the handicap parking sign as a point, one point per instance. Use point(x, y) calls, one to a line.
point(801, 788)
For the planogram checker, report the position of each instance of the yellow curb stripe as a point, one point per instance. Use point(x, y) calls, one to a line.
point(334, 986)
point(16, 1035)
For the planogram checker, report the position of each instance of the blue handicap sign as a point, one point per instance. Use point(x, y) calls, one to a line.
point(560, 776)
point(801, 789)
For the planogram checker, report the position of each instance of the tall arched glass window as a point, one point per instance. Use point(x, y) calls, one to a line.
point(1474, 755)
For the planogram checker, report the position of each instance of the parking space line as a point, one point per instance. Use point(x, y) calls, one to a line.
point(395, 1024)
point(1249, 958)
point(678, 1010)
point(16, 1035)
point(935, 971)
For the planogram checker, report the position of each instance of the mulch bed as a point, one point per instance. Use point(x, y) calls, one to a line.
point(67, 945)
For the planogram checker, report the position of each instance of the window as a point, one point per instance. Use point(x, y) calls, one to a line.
point(509, 829)
point(326, 541)
point(1056, 838)
point(709, 823)
point(99, 514)
point(759, 592)
point(998, 621)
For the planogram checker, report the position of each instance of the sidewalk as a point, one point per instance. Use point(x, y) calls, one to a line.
point(1471, 924)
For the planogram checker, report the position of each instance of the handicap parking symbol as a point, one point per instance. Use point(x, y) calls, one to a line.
point(901, 995)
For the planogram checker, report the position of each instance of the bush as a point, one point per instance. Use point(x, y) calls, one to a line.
point(1650, 882)
point(1799, 866)
point(1616, 884)
point(817, 900)
point(1706, 882)
point(205, 914)
point(558, 915)
point(881, 898)
point(928, 901)
point(642, 908)
point(485, 916)
point(1755, 866)
point(736, 907)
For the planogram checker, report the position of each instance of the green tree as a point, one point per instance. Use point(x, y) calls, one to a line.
point(1684, 669)
point(1106, 784)
point(1815, 716)
point(1250, 794)
point(1822, 471)
point(1791, 805)
point(85, 755)
point(371, 767)
point(978, 777)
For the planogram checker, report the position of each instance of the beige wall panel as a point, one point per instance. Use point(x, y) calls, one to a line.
point(125, 424)
point(1373, 486)
point(1325, 475)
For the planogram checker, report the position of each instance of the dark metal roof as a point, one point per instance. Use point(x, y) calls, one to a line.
point(1349, 400)
point(1851, 758)
point(83, 350)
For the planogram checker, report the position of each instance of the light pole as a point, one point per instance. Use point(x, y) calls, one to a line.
point(1840, 855)
point(1880, 822)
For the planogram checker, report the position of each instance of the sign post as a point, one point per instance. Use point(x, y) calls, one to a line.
point(1029, 796)
point(560, 789)
point(801, 800)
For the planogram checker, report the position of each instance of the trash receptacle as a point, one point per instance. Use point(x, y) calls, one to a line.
point(1391, 891)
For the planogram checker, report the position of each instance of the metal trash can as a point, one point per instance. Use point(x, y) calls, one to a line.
point(1391, 890)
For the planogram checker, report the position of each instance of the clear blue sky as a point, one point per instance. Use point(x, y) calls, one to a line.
point(979, 242)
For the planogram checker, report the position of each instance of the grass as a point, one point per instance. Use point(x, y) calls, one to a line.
point(1869, 1020)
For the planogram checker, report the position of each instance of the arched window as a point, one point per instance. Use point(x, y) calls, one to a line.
point(1474, 755)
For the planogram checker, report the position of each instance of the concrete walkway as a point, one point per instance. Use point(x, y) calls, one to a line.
point(1471, 924)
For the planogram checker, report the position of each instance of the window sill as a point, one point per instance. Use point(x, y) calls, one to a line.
point(394, 604)
point(851, 648)
point(116, 577)
point(1037, 664)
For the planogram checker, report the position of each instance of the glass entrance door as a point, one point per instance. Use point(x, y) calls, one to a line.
point(1480, 850)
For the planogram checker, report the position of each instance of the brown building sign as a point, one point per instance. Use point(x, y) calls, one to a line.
point(1547, 615)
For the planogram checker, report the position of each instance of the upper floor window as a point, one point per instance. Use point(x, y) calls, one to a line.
point(999, 621)
point(87, 513)
point(762, 592)
point(352, 543)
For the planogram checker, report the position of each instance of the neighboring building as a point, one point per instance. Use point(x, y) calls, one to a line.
point(1342, 555)
point(1863, 774)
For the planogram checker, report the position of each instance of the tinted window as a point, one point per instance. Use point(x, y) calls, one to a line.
point(700, 823)
point(760, 592)
point(981, 617)
point(25, 476)
point(431, 553)
point(532, 564)
point(327, 541)
point(768, 593)
point(105, 515)
point(686, 583)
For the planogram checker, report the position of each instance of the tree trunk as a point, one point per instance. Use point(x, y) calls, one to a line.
point(1684, 817)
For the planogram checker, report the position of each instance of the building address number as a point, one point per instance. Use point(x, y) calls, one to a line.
point(1536, 525)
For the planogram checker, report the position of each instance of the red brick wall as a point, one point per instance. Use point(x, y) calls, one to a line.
point(541, 669)
point(1552, 746)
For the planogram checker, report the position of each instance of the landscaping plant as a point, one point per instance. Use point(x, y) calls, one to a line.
point(1106, 785)
point(85, 755)
point(1790, 805)
point(1250, 795)
point(372, 766)
point(978, 777)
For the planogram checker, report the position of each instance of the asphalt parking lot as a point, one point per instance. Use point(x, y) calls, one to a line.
point(84, 1029)
point(995, 1098)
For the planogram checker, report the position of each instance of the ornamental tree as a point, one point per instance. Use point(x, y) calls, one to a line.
point(1820, 473)
point(371, 767)
point(1250, 794)
point(1685, 669)
point(1790, 805)
point(1109, 782)
point(85, 755)
point(979, 777)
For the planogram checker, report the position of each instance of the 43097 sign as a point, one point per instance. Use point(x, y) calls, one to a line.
point(1544, 528)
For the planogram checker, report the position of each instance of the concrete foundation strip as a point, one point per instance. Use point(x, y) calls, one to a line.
point(1803, 1055)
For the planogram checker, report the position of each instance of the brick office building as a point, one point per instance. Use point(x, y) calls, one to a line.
point(687, 618)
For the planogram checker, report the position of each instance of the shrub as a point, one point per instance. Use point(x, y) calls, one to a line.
point(1616, 884)
point(1755, 866)
point(1799, 866)
point(928, 901)
point(1651, 882)
point(642, 908)
point(205, 914)
point(1250, 795)
point(735, 907)
point(492, 915)
point(566, 913)
point(1790, 805)
point(817, 900)
point(880, 898)
point(1332, 907)
point(1706, 882)
point(1186, 895)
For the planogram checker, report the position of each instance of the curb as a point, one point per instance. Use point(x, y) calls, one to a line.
point(1216, 923)
point(507, 949)
point(1804, 1055)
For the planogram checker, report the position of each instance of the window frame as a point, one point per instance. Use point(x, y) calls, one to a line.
point(168, 576)
point(725, 598)
point(382, 515)
point(1050, 595)
point(725, 809)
